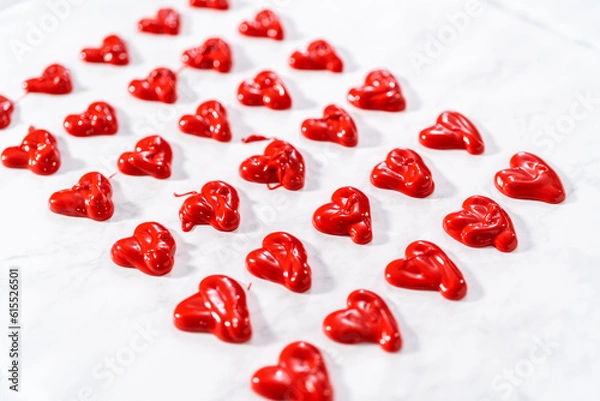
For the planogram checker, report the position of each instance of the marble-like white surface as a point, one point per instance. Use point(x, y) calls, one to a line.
point(525, 72)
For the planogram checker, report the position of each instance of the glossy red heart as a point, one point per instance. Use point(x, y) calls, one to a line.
point(165, 22)
point(216, 204)
point(319, 55)
point(300, 375)
point(216, 4)
point(152, 156)
point(266, 89)
point(151, 250)
point(210, 121)
point(55, 80)
point(482, 222)
point(219, 308)
point(38, 152)
point(404, 171)
point(426, 267)
point(349, 213)
point(453, 130)
point(159, 86)
point(381, 91)
point(213, 54)
point(336, 126)
point(366, 319)
point(282, 260)
point(6, 109)
point(91, 197)
point(100, 118)
point(281, 164)
point(266, 24)
point(112, 51)
point(529, 177)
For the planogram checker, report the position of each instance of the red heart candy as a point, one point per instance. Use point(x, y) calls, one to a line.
point(426, 267)
point(152, 156)
point(405, 171)
point(281, 164)
point(349, 213)
point(112, 51)
point(6, 109)
point(213, 54)
point(99, 119)
point(282, 259)
point(38, 152)
point(160, 86)
point(482, 222)
point(266, 89)
point(219, 307)
point(166, 22)
point(452, 131)
point(210, 121)
point(319, 55)
point(266, 24)
point(336, 126)
point(381, 91)
point(90, 197)
point(55, 80)
point(151, 250)
point(217, 205)
point(529, 177)
point(216, 4)
point(366, 319)
point(300, 375)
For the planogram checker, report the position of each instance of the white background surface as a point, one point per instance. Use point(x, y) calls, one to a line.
point(514, 69)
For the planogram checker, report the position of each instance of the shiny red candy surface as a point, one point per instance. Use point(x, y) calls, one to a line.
point(210, 121)
point(404, 171)
point(266, 24)
point(213, 54)
point(215, 4)
point(100, 118)
point(159, 86)
point(6, 109)
point(452, 130)
point(319, 55)
point(381, 91)
point(165, 22)
point(336, 126)
point(38, 152)
point(216, 205)
point(91, 197)
point(152, 156)
point(266, 89)
point(112, 51)
point(55, 80)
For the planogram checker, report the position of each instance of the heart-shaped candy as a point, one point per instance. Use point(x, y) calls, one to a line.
point(6, 109)
point(219, 307)
point(160, 86)
point(90, 197)
point(55, 80)
point(216, 204)
point(349, 213)
point(529, 177)
point(165, 22)
point(319, 55)
point(452, 130)
point(366, 319)
point(405, 171)
point(482, 222)
point(152, 156)
point(216, 4)
point(151, 250)
point(100, 118)
point(38, 152)
point(266, 89)
point(300, 375)
point(266, 24)
point(336, 126)
point(282, 259)
point(213, 54)
point(112, 51)
point(426, 267)
point(381, 91)
point(210, 121)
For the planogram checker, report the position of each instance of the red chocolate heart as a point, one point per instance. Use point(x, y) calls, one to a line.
point(216, 4)
point(319, 55)
point(213, 54)
point(152, 156)
point(482, 222)
point(38, 152)
point(300, 375)
point(349, 213)
point(90, 197)
point(151, 250)
point(6, 109)
point(529, 177)
point(266, 24)
point(219, 307)
point(282, 259)
point(336, 126)
point(366, 319)
point(404, 171)
point(452, 130)
point(55, 80)
point(381, 91)
point(216, 204)
point(210, 121)
point(426, 267)
point(99, 119)
point(266, 89)
point(166, 22)
point(281, 164)
point(160, 86)
point(112, 51)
